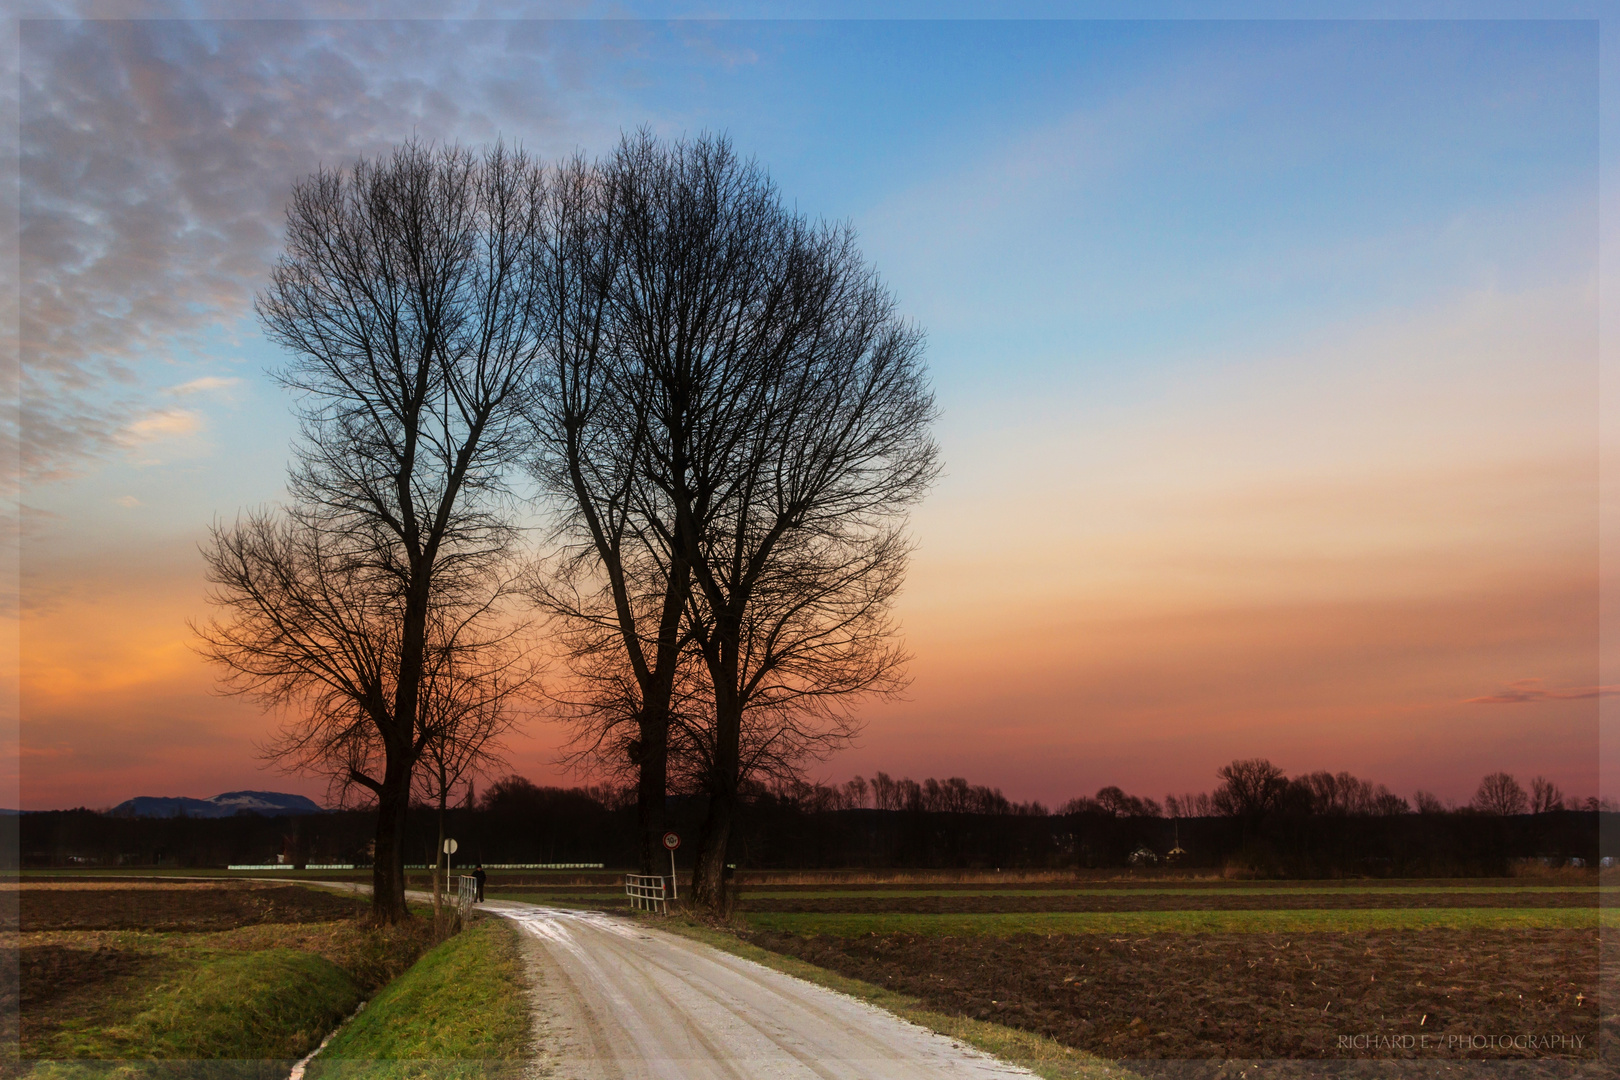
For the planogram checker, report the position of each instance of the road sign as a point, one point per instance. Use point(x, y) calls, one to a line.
point(672, 841)
point(450, 847)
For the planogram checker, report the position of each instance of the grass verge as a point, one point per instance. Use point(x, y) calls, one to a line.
point(1144, 922)
point(461, 1011)
point(1044, 1057)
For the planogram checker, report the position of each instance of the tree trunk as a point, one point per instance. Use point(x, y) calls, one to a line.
point(650, 791)
point(438, 855)
point(709, 873)
point(656, 691)
point(388, 864)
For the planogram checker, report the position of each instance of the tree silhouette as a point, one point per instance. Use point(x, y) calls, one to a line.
point(406, 297)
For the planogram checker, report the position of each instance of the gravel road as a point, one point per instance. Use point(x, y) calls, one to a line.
point(616, 1000)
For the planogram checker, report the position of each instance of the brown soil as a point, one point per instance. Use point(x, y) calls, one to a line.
point(222, 907)
point(1213, 901)
point(1229, 1000)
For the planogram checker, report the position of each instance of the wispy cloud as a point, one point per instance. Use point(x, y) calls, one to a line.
point(204, 385)
point(1522, 691)
point(157, 156)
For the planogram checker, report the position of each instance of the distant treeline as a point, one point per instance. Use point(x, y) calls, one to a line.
point(1258, 821)
point(1247, 787)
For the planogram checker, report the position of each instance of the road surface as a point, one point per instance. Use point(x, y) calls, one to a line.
point(616, 1000)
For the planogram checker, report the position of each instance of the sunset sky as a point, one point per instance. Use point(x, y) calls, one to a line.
point(1267, 356)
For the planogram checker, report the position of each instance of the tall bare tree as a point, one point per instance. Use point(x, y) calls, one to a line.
point(787, 434)
point(407, 298)
point(618, 591)
point(736, 421)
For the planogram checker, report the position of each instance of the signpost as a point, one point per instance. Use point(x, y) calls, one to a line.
point(449, 849)
point(672, 841)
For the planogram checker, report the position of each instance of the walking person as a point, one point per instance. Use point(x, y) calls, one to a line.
point(478, 876)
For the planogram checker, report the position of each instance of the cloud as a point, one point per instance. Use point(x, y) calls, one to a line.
point(1526, 690)
point(128, 502)
point(164, 424)
point(156, 160)
point(203, 385)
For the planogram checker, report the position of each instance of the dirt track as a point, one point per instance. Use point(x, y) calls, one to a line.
point(616, 1000)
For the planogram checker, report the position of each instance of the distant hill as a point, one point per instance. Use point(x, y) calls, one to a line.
point(226, 805)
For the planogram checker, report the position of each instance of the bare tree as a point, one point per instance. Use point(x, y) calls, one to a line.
point(1501, 795)
point(729, 385)
point(1189, 805)
point(406, 298)
point(618, 590)
point(1249, 788)
point(1428, 802)
point(1545, 796)
point(793, 436)
point(736, 421)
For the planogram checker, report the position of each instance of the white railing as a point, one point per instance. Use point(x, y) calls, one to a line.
point(466, 894)
point(646, 892)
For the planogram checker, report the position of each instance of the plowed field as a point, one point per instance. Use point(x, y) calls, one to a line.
point(1203, 1004)
point(1014, 902)
point(178, 907)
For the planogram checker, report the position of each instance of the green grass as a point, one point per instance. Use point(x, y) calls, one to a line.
point(462, 1011)
point(268, 1005)
point(1141, 922)
point(1044, 1057)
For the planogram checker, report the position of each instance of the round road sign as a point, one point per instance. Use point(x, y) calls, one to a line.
point(671, 841)
point(450, 847)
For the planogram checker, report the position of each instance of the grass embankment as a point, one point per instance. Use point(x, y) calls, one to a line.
point(1045, 1057)
point(1191, 922)
point(130, 999)
point(461, 1011)
point(274, 1004)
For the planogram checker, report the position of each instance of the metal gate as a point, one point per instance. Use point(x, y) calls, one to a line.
point(646, 892)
